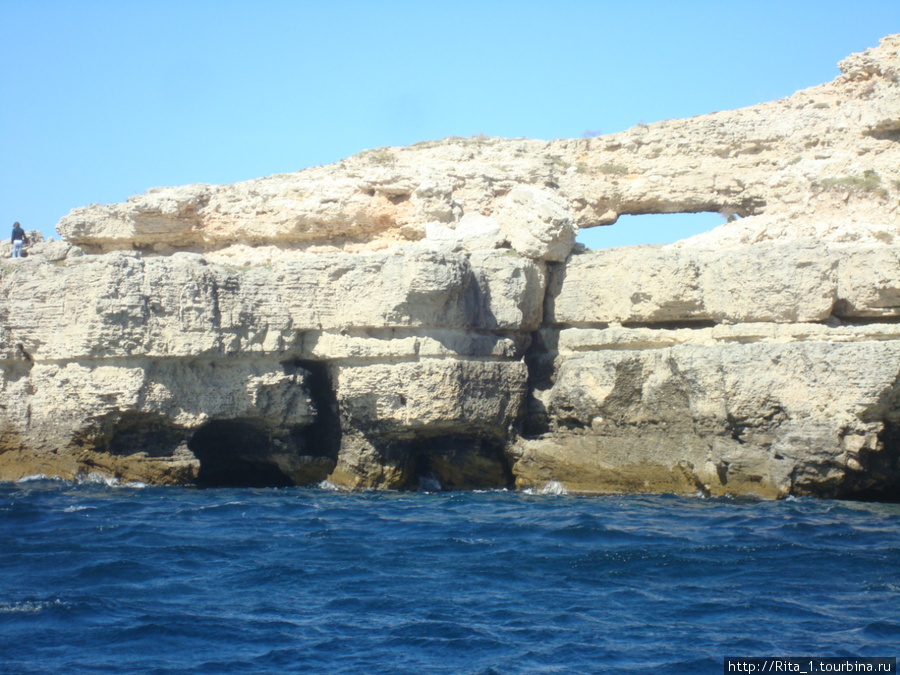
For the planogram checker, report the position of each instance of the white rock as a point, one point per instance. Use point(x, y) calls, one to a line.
point(478, 232)
point(366, 324)
point(537, 223)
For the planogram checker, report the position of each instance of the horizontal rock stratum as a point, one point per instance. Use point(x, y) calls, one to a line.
point(421, 316)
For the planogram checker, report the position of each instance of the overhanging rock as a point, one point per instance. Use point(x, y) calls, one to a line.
point(415, 317)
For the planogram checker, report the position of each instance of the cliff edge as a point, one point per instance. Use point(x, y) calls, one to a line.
point(420, 317)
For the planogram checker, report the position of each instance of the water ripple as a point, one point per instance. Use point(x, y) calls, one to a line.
point(113, 579)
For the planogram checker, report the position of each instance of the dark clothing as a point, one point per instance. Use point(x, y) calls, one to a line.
point(18, 234)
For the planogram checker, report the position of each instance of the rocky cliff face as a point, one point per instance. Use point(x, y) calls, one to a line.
point(415, 316)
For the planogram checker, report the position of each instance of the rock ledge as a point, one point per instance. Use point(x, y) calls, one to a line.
point(419, 317)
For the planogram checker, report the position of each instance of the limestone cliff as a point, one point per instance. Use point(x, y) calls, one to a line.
point(421, 314)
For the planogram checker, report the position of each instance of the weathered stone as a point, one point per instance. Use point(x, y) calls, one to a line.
point(478, 232)
point(766, 283)
point(869, 282)
point(764, 418)
point(121, 304)
point(820, 164)
point(416, 318)
point(536, 222)
point(137, 419)
point(429, 397)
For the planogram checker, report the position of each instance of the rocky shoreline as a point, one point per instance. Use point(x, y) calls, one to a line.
point(422, 316)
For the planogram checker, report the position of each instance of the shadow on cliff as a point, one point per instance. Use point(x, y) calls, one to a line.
point(250, 453)
point(243, 451)
point(879, 481)
point(236, 453)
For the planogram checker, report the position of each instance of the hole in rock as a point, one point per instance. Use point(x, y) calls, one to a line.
point(879, 480)
point(882, 470)
point(456, 463)
point(322, 438)
point(248, 453)
point(235, 453)
point(540, 359)
point(651, 228)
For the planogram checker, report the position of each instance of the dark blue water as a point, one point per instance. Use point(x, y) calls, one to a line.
point(95, 579)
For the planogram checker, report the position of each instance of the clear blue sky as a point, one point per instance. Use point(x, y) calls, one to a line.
point(102, 99)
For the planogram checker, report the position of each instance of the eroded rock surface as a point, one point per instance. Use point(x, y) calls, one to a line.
point(820, 163)
point(420, 317)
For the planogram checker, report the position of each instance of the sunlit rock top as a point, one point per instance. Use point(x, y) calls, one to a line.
point(822, 163)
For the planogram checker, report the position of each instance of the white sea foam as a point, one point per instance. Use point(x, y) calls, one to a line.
point(98, 479)
point(328, 485)
point(37, 477)
point(219, 506)
point(94, 478)
point(26, 607)
point(553, 487)
point(73, 509)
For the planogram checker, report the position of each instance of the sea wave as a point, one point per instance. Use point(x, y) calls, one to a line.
point(38, 477)
point(315, 580)
point(28, 606)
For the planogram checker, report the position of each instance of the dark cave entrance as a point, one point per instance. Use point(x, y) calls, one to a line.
point(456, 462)
point(322, 438)
point(882, 470)
point(235, 453)
point(248, 453)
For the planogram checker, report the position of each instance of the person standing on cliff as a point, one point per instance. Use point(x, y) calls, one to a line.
point(18, 239)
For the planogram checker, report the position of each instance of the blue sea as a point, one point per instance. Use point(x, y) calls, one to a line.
point(103, 579)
